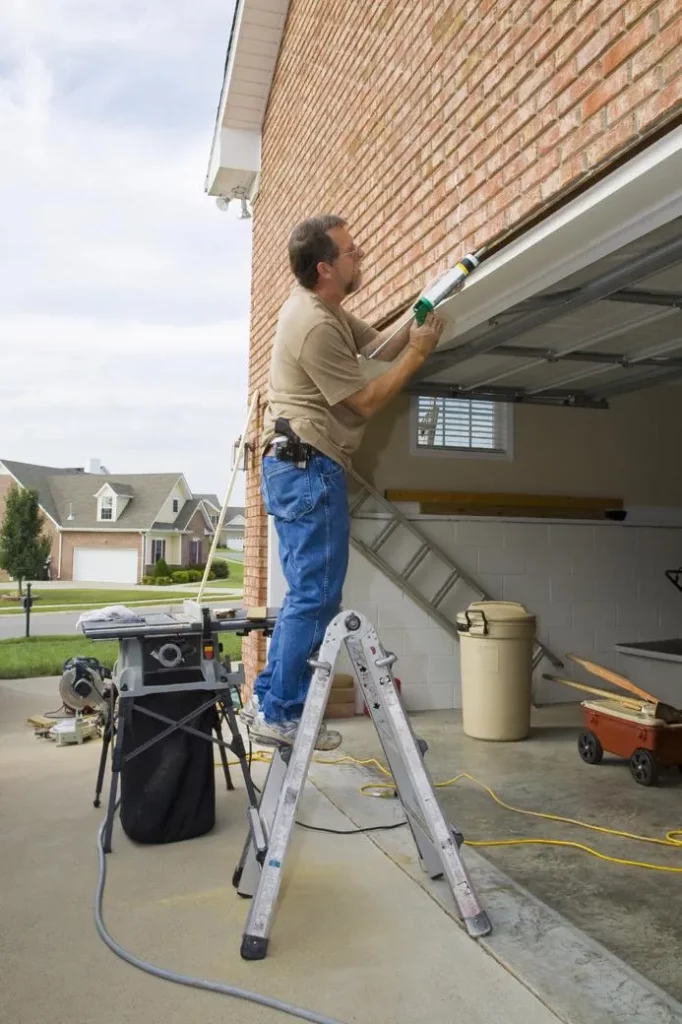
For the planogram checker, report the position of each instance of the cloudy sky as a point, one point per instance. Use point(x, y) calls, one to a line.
point(124, 292)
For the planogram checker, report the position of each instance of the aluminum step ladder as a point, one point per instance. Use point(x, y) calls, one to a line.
point(425, 549)
point(259, 872)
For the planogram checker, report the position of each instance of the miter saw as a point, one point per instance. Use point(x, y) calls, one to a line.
point(87, 699)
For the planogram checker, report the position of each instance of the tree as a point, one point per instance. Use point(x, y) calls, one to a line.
point(23, 548)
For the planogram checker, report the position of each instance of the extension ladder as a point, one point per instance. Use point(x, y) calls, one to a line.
point(271, 823)
point(425, 548)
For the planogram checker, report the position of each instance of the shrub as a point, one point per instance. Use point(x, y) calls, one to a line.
point(221, 569)
point(149, 580)
point(181, 576)
point(163, 581)
point(161, 569)
point(194, 576)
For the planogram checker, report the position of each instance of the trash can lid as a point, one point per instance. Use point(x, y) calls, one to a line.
point(502, 611)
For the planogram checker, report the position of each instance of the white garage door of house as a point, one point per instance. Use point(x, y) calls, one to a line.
point(99, 565)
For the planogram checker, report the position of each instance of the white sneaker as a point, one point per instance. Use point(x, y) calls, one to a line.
point(250, 710)
point(273, 732)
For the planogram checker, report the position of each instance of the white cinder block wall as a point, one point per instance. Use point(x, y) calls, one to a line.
point(591, 585)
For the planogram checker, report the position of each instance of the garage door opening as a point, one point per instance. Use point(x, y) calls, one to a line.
point(97, 565)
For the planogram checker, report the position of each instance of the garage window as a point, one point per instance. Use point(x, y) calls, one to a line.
point(462, 425)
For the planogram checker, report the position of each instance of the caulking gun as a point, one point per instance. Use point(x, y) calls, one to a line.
point(442, 289)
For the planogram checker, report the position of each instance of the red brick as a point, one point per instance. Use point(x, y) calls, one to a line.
point(653, 54)
point(614, 85)
point(632, 98)
point(610, 144)
point(635, 9)
point(626, 46)
point(590, 77)
point(668, 11)
point(597, 44)
point(672, 65)
point(560, 30)
point(660, 107)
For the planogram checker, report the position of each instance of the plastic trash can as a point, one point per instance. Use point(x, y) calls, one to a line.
point(496, 658)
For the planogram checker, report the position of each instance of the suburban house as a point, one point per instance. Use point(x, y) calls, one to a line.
point(232, 532)
point(550, 134)
point(114, 528)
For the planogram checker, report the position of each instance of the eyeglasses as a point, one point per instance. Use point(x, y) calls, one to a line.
point(355, 253)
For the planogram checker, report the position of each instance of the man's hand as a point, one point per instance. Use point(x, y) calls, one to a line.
point(376, 394)
point(425, 337)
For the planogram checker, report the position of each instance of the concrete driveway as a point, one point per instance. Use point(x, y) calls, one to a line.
point(355, 937)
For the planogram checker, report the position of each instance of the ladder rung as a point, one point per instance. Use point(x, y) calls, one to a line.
point(361, 496)
point(447, 586)
point(416, 560)
point(384, 535)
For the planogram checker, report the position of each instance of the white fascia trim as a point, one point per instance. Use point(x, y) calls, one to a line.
point(234, 161)
point(96, 529)
point(229, 66)
point(638, 197)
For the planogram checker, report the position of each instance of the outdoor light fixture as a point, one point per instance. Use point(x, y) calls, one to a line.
point(246, 452)
point(223, 203)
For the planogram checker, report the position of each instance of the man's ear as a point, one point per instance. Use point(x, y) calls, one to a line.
point(324, 271)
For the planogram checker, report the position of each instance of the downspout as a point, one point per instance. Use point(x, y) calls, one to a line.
point(59, 557)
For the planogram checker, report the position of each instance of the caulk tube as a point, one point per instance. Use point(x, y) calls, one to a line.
point(444, 287)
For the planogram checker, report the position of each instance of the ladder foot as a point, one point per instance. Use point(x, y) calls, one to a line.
point(479, 925)
point(237, 877)
point(254, 947)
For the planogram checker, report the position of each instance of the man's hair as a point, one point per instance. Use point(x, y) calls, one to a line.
point(309, 244)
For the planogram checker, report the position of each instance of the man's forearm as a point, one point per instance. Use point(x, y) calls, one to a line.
point(399, 336)
point(378, 392)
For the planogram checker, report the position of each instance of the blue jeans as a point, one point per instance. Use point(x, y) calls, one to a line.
point(310, 509)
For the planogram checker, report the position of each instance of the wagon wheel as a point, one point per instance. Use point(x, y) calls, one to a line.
point(589, 748)
point(644, 767)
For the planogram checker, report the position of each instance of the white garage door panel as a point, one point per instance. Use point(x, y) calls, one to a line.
point(103, 565)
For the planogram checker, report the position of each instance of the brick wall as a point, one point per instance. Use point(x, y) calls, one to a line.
point(49, 529)
point(433, 129)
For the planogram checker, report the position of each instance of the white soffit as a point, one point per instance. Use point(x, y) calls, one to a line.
point(635, 199)
point(253, 50)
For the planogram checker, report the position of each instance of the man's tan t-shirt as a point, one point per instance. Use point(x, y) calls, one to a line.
point(314, 366)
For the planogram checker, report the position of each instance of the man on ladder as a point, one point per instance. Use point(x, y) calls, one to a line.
point(319, 402)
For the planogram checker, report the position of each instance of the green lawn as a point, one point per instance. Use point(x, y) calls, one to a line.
point(236, 578)
point(45, 655)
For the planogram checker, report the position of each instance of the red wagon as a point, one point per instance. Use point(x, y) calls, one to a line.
point(648, 743)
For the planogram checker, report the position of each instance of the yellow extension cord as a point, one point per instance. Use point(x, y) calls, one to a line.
point(673, 837)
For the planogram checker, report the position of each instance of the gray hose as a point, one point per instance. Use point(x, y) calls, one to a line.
point(183, 979)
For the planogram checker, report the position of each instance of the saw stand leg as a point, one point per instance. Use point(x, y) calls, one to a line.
point(223, 712)
point(272, 824)
point(107, 736)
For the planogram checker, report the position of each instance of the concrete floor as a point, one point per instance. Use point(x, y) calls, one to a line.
point(355, 937)
point(634, 913)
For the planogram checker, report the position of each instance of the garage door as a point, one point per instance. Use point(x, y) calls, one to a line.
point(98, 565)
